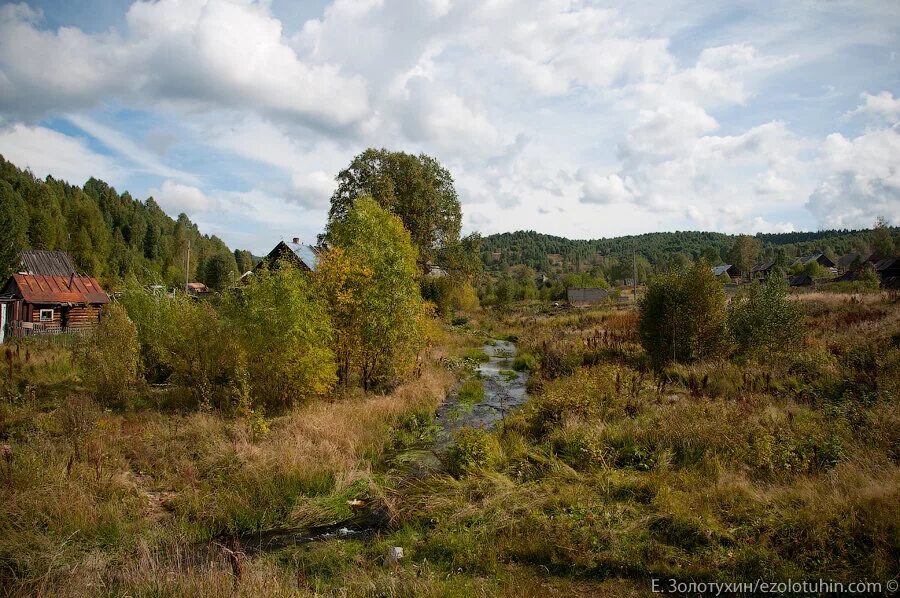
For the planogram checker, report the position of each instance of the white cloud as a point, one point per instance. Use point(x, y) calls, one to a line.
point(212, 53)
point(861, 180)
point(587, 120)
point(175, 198)
point(46, 151)
point(312, 189)
point(601, 189)
point(883, 106)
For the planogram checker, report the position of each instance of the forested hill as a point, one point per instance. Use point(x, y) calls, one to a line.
point(536, 250)
point(111, 236)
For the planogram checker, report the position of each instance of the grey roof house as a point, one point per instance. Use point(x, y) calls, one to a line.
point(731, 271)
point(302, 256)
point(584, 296)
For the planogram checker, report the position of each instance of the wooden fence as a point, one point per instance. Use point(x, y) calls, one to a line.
point(18, 329)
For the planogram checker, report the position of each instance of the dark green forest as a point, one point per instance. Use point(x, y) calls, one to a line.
point(110, 235)
point(530, 248)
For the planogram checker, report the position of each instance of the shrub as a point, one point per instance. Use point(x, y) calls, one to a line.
point(471, 392)
point(108, 359)
point(285, 333)
point(369, 281)
point(524, 362)
point(682, 315)
point(762, 320)
point(473, 449)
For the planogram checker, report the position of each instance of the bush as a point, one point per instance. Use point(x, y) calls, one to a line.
point(524, 362)
point(183, 342)
point(473, 448)
point(682, 315)
point(471, 392)
point(762, 320)
point(108, 359)
point(287, 350)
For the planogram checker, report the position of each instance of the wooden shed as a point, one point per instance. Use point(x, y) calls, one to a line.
point(43, 304)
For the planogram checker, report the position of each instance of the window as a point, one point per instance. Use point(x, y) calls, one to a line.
point(46, 315)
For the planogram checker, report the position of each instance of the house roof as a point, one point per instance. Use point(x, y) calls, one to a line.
point(59, 289)
point(887, 264)
point(721, 269)
point(305, 253)
point(46, 263)
point(815, 257)
point(763, 267)
point(584, 294)
point(846, 260)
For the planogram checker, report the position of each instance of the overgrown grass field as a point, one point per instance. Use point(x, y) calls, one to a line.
point(727, 468)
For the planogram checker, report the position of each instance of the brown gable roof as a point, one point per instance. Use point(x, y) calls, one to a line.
point(59, 289)
point(46, 263)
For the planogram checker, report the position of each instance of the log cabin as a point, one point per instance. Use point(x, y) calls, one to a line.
point(34, 302)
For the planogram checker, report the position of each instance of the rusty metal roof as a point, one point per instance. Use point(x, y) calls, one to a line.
point(59, 289)
point(46, 263)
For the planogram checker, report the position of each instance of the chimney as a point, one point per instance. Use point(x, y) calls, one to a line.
point(296, 240)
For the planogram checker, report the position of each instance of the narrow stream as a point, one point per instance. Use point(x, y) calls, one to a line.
point(504, 391)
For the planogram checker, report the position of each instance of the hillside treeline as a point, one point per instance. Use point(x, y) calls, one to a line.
point(110, 235)
point(532, 249)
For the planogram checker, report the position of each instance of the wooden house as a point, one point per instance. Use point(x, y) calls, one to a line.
point(888, 270)
point(800, 280)
point(40, 304)
point(584, 296)
point(820, 258)
point(728, 270)
point(197, 289)
point(847, 261)
point(762, 270)
point(296, 253)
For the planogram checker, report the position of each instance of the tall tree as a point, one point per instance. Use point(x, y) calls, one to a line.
point(882, 243)
point(744, 253)
point(244, 260)
point(13, 227)
point(373, 294)
point(415, 188)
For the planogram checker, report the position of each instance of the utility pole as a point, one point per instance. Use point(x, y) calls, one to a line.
point(187, 267)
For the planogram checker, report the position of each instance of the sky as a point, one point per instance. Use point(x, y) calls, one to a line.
point(571, 118)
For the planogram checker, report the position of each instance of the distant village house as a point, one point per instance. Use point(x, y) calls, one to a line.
point(820, 258)
point(582, 296)
point(729, 270)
